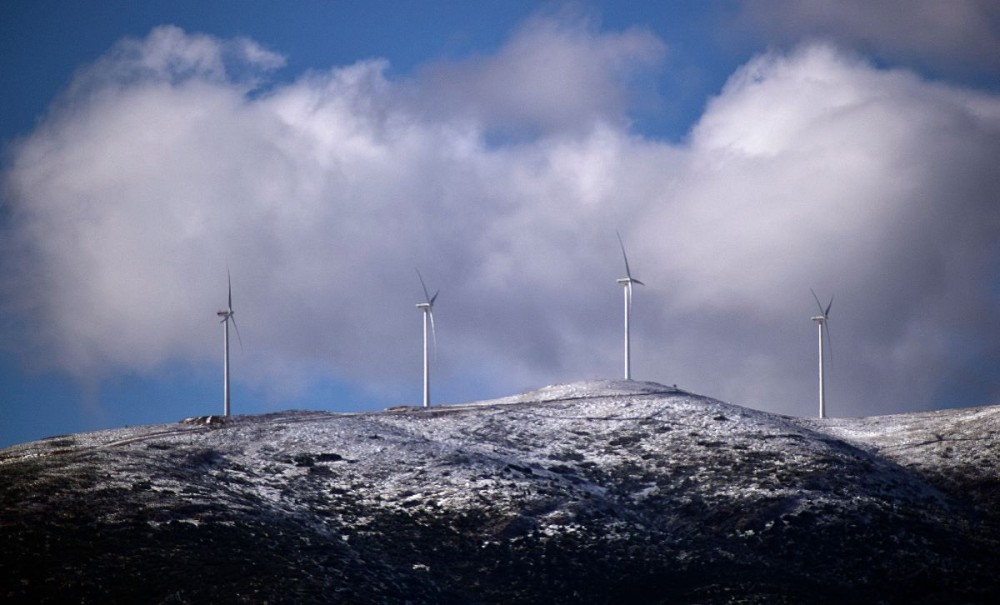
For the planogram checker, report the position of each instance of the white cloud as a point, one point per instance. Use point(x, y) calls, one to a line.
point(172, 56)
point(816, 170)
point(552, 74)
point(811, 169)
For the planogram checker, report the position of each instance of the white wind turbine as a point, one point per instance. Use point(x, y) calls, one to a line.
point(428, 308)
point(821, 324)
point(627, 282)
point(227, 314)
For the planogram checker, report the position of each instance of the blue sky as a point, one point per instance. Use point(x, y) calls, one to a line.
point(321, 151)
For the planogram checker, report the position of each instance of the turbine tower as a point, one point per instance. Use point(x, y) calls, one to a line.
point(428, 308)
point(821, 324)
point(627, 282)
point(227, 314)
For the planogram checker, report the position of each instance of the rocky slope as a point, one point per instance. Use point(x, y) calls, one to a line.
point(589, 492)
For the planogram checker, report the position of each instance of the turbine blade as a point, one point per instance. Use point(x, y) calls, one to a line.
point(229, 278)
point(433, 298)
point(829, 340)
point(238, 337)
point(819, 304)
point(434, 337)
point(635, 281)
point(427, 296)
point(628, 272)
point(827, 312)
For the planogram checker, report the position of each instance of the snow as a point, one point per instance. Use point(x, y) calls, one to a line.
point(597, 462)
point(568, 435)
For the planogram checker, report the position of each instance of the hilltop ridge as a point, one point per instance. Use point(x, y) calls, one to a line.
point(585, 492)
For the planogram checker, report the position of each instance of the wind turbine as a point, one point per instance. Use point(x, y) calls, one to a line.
point(227, 314)
point(627, 282)
point(428, 308)
point(821, 324)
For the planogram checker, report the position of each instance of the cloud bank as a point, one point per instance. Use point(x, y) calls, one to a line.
point(958, 34)
point(504, 178)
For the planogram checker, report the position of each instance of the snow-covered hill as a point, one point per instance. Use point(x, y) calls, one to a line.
point(589, 492)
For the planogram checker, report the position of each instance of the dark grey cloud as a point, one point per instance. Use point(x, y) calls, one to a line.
point(961, 35)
